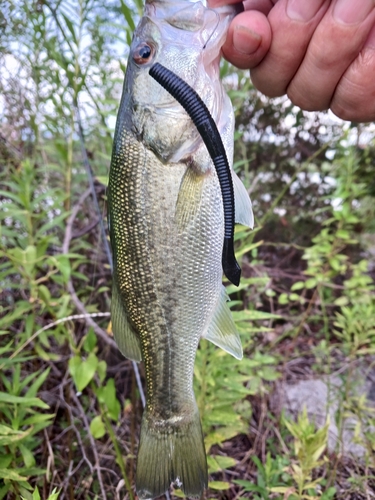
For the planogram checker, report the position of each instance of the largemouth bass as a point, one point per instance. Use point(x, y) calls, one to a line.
point(167, 230)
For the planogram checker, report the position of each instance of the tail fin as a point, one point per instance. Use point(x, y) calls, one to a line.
point(169, 453)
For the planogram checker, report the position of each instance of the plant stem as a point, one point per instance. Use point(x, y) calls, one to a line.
point(118, 453)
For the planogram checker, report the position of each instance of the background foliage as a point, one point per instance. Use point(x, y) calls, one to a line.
point(69, 403)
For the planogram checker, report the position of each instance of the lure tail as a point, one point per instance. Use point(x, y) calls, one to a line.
point(171, 453)
point(200, 115)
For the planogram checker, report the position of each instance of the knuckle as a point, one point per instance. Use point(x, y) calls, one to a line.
point(307, 98)
point(354, 98)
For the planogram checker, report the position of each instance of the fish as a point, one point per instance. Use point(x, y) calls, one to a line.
point(166, 225)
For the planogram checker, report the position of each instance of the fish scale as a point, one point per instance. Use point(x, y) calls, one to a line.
point(167, 229)
point(165, 307)
point(178, 269)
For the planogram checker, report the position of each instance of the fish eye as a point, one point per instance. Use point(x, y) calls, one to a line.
point(143, 53)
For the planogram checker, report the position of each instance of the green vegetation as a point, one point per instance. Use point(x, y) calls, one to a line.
point(70, 406)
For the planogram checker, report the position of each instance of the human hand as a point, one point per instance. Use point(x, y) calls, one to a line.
point(321, 53)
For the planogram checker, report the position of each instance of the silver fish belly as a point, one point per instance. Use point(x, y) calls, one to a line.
point(166, 228)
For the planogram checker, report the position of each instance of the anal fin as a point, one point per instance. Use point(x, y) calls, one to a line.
point(222, 330)
point(127, 340)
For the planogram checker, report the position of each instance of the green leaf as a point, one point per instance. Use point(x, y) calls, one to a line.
point(128, 14)
point(5, 460)
point(12, 436)
point(298, 285)
point(38, 419)
point(36, 495)
point(282, 489)
point(44, 294)
point(111, 400)
point(12, 475)
point(27, 455)
point(253, 315)
point(9, 398)
point(73, 364)
point(225, 462)
point(83, 371)
point(310, 283)
point(294, 297)
point(97, 427)
point(70, 27)
point(102, 370)
point(335, 263)
point(219, 485)
point(248, 248)
point(178, 493)
point(33, 389)
point(20, 311)
point(7, 348)
point(247, 485)
point(62, 263)
point(54, 495)
point(341, 301)
point(218, 463)
point(283, 298)
point(29, 258)
point(90, 341)
point(343, 234)
point(103, 179)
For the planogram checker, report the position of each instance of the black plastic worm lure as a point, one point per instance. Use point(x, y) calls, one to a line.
point(202, 119)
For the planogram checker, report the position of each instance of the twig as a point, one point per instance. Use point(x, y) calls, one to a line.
point(65, 249)
point(119, 457)
point(281, 440)
point(92, 442)
point(85, 315)
point(71, 219)
point(51, 458)
point(77, 468)
point(91, 182)
point(67, 406)
point(85, 230)
point(80, 306)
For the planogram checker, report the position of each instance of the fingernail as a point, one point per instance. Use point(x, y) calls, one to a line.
point(370, 42)
point(246, 41)
point(351, 12)
point(303, 10)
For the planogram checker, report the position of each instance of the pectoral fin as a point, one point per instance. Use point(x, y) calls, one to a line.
point(189, 199)
point(222, 330)
point(126, 339)
point(243, 209)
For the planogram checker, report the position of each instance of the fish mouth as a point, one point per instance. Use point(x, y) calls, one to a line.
point(209, 132)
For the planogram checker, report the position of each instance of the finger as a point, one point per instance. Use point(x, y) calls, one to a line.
point(293, 23)
point(260, 5)
point(248, 39)
point(218, 3)
point(248, 4)
point(336, 43)
point(354, 98)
